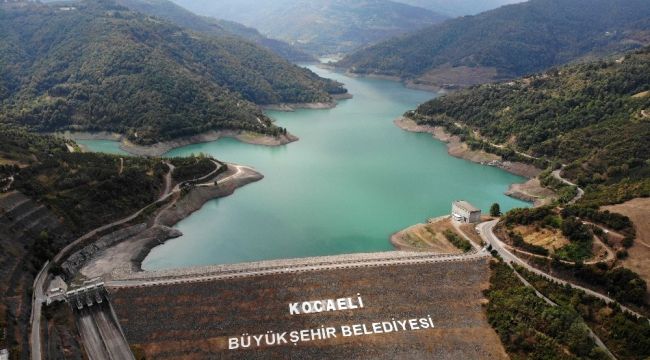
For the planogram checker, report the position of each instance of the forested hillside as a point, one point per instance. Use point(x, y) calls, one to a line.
point(455, 8)
point(321, 27)
point(508, 42)
point(594, 117)
point(54, 196)
point(100, 66)
point(180, 16)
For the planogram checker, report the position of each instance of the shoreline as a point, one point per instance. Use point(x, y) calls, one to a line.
point(529, 191)
point(290, 107)
point(161, 148)
point(128, 252)
point(409, 84)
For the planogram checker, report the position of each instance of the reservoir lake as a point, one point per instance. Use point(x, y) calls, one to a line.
point(352, 180)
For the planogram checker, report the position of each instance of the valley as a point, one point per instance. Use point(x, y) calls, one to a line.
point(183, 180)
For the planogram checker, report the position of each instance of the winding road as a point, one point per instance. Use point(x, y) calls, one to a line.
point(486, 230)
point(558, 175)
point(39, 297)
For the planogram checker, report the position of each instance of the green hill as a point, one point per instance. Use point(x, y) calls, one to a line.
point(508, 42)
point(454, 8)
point(180, 16)
point(321, 27)
point(99, 66)
point(595, 117)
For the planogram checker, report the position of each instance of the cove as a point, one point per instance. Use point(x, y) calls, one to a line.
point(352, 180)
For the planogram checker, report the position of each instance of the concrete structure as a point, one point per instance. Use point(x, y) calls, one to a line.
point(465, 212)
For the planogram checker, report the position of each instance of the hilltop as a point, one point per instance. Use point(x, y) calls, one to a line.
point(454, 8)
point(100, 66)
point(321, 27)
point(508, 42)
point(592, 117)
point(180, 16)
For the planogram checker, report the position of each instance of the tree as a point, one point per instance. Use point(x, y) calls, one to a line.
point(495, 210)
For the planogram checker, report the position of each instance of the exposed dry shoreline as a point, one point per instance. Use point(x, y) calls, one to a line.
point(161, 148)
point(312, 106)
point(129, 252)
point(530, 191)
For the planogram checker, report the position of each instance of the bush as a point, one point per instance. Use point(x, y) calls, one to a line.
point(457, 241)
point(519, 242)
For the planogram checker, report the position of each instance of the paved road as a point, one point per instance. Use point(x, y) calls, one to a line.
point(94, 232)
point(486, 230)
point(610, 254)
point(558, 175)
point(592, 334)
point(35, 318)
point(39, 297)
point(298, 266)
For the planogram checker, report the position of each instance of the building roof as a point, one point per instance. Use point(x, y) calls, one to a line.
point(466, 206)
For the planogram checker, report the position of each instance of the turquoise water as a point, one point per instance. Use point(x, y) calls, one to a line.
point(103, 146)
point(351, 181)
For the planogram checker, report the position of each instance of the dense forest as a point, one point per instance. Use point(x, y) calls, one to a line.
point(68, 193)
point(530, 328)
point(593, 117)
point(100, 66)
point(624, 335)
point(510, 41)
point(85, 190)
point(457, 8)
point(167, 10)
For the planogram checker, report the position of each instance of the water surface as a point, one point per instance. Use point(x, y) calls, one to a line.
point(351, 181)
point(103, 146)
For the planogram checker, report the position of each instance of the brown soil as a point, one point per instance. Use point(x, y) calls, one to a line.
point(163, 147)
point(459, 149)
point(194, 321)
point(532, 191)
point(449, 77)
point(470, 231)
point(425, 237)
point(638, 211)
point(128, 254)
point(549, 239)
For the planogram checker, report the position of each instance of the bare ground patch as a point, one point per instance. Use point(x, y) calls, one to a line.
point(532, 191)
point(549, 239)
point(448, 76)
point(638, 210)
point(425, 237)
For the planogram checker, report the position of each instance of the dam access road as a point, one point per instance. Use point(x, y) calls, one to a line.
point(39, 296)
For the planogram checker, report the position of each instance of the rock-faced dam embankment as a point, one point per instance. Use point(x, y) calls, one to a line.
point(198, 320)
